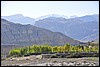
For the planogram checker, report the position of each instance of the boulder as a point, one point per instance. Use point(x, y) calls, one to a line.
point(39, 57)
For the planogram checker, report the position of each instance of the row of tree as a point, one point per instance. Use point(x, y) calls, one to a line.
point(47, 49)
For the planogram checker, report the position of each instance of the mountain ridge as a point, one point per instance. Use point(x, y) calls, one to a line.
point(77, 28)
point(19, 18)
point(57, 23)
point(12, 33)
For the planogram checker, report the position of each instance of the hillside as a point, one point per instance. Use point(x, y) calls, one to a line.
point(84, 28)
point(19, 34)
point(19, 18)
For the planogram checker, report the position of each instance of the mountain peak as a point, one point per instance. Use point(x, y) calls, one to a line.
point(28, 35)
point(86, 27)
point(51, 15)
point(17, 15)
point(19, 18)
point(55, 15)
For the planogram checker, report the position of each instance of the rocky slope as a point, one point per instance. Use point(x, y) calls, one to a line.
point(84, 28)
point(12, 33)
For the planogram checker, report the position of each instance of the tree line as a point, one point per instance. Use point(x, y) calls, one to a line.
point(28, 50)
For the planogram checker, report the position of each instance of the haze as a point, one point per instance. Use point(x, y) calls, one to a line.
point(36, 9)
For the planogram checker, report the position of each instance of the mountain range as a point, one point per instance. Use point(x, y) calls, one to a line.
point(19, 18)
point(18, 34)
point(85, 28)
point(51, 15)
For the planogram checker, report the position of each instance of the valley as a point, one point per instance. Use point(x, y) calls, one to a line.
point(50, 35)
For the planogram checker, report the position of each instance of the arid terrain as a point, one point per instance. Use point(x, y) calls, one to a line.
point(48, 33)
point(38, 61)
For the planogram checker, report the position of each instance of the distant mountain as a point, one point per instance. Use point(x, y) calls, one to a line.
point(91, 37)
point(51, 15)
point(85, 28)
point(74, 16)
point(80, 28)
point(88, 18)
point(19, 18)
point(15, 33)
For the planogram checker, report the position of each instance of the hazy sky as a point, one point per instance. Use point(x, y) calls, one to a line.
point(36, 9)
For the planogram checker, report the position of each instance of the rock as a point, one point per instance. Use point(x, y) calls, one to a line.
point(12, 59)
point(39, 56)
point(87, 63)
point(82, 64)
point(70, 64)
point(65, 64)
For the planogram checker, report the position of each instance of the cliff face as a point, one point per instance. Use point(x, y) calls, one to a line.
point(12, 33)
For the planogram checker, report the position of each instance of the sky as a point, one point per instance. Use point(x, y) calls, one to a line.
point(35, 9)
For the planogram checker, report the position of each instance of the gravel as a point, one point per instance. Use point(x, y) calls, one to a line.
point(53, 62)
point(60, 64)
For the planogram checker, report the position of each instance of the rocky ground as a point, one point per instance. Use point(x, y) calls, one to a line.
point(33, 61)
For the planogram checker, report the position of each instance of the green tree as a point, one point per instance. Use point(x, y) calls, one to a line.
point(73, 49)
point(55, 49)
point(14, 52)
point(86, 48)
point(67, 47)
